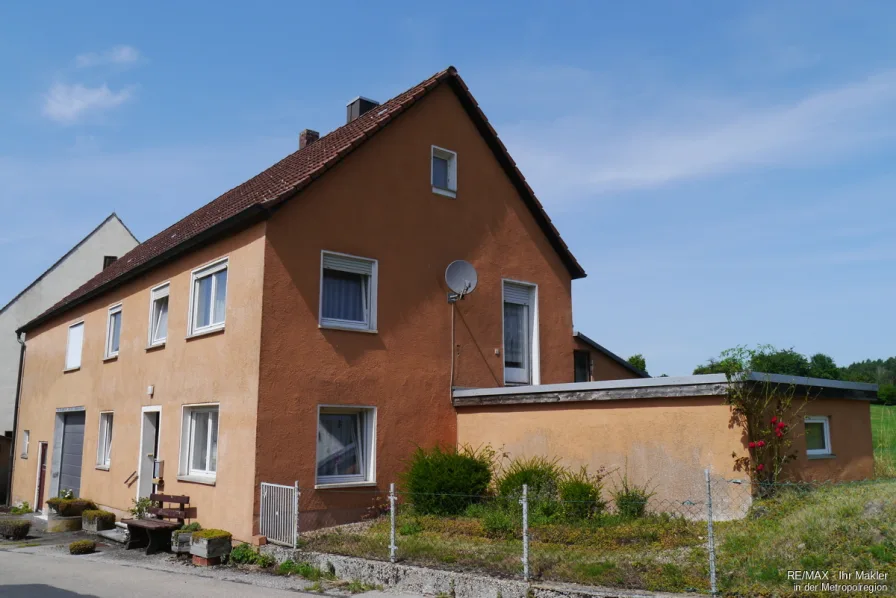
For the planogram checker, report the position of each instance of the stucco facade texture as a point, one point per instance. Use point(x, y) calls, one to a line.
point(666, 443)
point(219, 368)
point(85, 260)
point(379, 204)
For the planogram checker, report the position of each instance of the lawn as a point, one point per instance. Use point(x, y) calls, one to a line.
point(846, 527)
point(883, 431)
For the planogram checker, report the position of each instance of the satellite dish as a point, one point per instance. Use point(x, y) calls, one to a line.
point(461, 277)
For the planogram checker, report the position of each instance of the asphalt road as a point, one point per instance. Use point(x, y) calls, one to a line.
point(35, 575)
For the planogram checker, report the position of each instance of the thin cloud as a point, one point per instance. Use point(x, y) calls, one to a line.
point(119, 55)
point(576, 156)
point(67, 104)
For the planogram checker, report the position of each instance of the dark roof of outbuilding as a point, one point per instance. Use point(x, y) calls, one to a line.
point(611, 355)
point(254, 198)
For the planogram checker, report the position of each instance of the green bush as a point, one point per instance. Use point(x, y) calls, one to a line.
point(305, 570)
point(410, 528)
point(71, 507)
point(498, 523)
point(92, 515)
point(82, 547)
point(541, 475)
point(210, 534)
point(631, 499)
point(22, 509)
point(580, 495)
point(244, 554)
point(14, 529)
point(443, 481)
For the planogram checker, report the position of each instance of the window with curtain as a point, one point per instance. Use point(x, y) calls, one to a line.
point(202, 441)
point(209, 298)
point(158, 310)
point(518, 328)
point(344, 445)
point(348, 292)
point(74, 346)
point(104, 441)
point(113, 332)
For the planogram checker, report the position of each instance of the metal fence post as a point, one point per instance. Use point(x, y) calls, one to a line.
point(392, 547)
point(710, 536)
point(525, 502)
point(295, 510)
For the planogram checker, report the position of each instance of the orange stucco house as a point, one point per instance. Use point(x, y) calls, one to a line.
point(298, 329)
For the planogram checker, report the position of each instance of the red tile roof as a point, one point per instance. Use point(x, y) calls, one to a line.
point(285, 179)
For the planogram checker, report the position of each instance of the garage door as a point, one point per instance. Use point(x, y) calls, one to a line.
point(72, 452)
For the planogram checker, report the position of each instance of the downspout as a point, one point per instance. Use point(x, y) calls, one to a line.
point(15, 418)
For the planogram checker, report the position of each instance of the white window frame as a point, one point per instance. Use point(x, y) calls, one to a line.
point(197, 274)
point(155, 294)
point(186, 443)
point(451, 158)
point(370, 324)
point(826, 421)
point(26, 442)
point(368, 478)
point(104, 438)
point(114, 309)
point(68, 343)
point(534, 374)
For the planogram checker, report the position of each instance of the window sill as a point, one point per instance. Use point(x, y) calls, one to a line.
point(815, 457)
point(102, 467)
point(445, 192)
point(110, 358)
point(325, 485)
point(201, 333)
point(70, 370)
point(155, 347)
point(197, 479)
point(346, 328)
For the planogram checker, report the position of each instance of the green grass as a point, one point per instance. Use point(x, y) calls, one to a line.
point(845, 527)
point(883, 432)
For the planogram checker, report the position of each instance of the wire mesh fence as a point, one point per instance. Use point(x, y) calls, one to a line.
point(725, 536)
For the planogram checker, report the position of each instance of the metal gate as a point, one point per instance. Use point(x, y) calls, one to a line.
point(279, 517)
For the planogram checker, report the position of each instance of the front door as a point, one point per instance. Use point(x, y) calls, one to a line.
point(41, 475)
point(149, 452)
point(72, 452)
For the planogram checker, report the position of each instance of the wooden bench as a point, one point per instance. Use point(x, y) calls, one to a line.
point(155, 533)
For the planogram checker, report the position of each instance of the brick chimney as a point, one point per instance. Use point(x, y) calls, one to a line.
point(307, 137)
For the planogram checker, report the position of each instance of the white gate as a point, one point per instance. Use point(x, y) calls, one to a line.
point(279, 517)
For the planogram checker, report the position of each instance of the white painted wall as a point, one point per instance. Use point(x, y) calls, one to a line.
point(81, 264)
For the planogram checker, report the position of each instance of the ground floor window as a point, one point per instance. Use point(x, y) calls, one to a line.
point(345, 445)
point(818, 435)
point(199, 441)
point(104, 441)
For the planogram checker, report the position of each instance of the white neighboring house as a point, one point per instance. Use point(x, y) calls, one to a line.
point(108, 241)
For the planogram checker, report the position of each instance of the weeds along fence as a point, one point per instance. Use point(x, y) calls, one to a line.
point(726, 538)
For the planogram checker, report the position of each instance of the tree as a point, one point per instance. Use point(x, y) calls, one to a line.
point(823, 366)
point(887, 394)
point(779, 361)
point(639, 362)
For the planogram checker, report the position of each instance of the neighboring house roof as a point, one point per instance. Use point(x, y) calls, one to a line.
point(655, 388)
point(252, 200)
point(111, 216)
point(611, 355)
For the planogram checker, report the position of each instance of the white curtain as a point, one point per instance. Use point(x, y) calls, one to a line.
point(345, 296)
point(220, 295)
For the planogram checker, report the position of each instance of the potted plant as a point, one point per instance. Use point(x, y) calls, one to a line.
point(182, 538)
point(209, 545)
point(140, 508)
point(95, 520)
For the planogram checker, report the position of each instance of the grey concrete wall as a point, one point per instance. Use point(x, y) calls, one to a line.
point(76, 268)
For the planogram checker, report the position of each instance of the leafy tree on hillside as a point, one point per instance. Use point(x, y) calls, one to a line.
point(823, 366)
point(638, 361)
point(779, 361)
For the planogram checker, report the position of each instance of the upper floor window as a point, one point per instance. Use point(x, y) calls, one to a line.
point(444, 171)
point(520, 334)
point(113, 331)
point(158, 315)
point(582, 366)
point(26, 441)
point(208, 298)
point(75, 343)
point(347, 292)
point(108, 260)
point(818, 435)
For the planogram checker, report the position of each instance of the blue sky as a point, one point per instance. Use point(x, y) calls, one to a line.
point(723, 171)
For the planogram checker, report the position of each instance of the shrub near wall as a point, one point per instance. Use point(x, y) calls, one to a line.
point(71, 507)
point(14, 529)
point(442, 481)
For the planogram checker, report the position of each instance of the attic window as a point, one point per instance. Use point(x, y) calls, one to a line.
point(444, 172)
point(108, 260)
